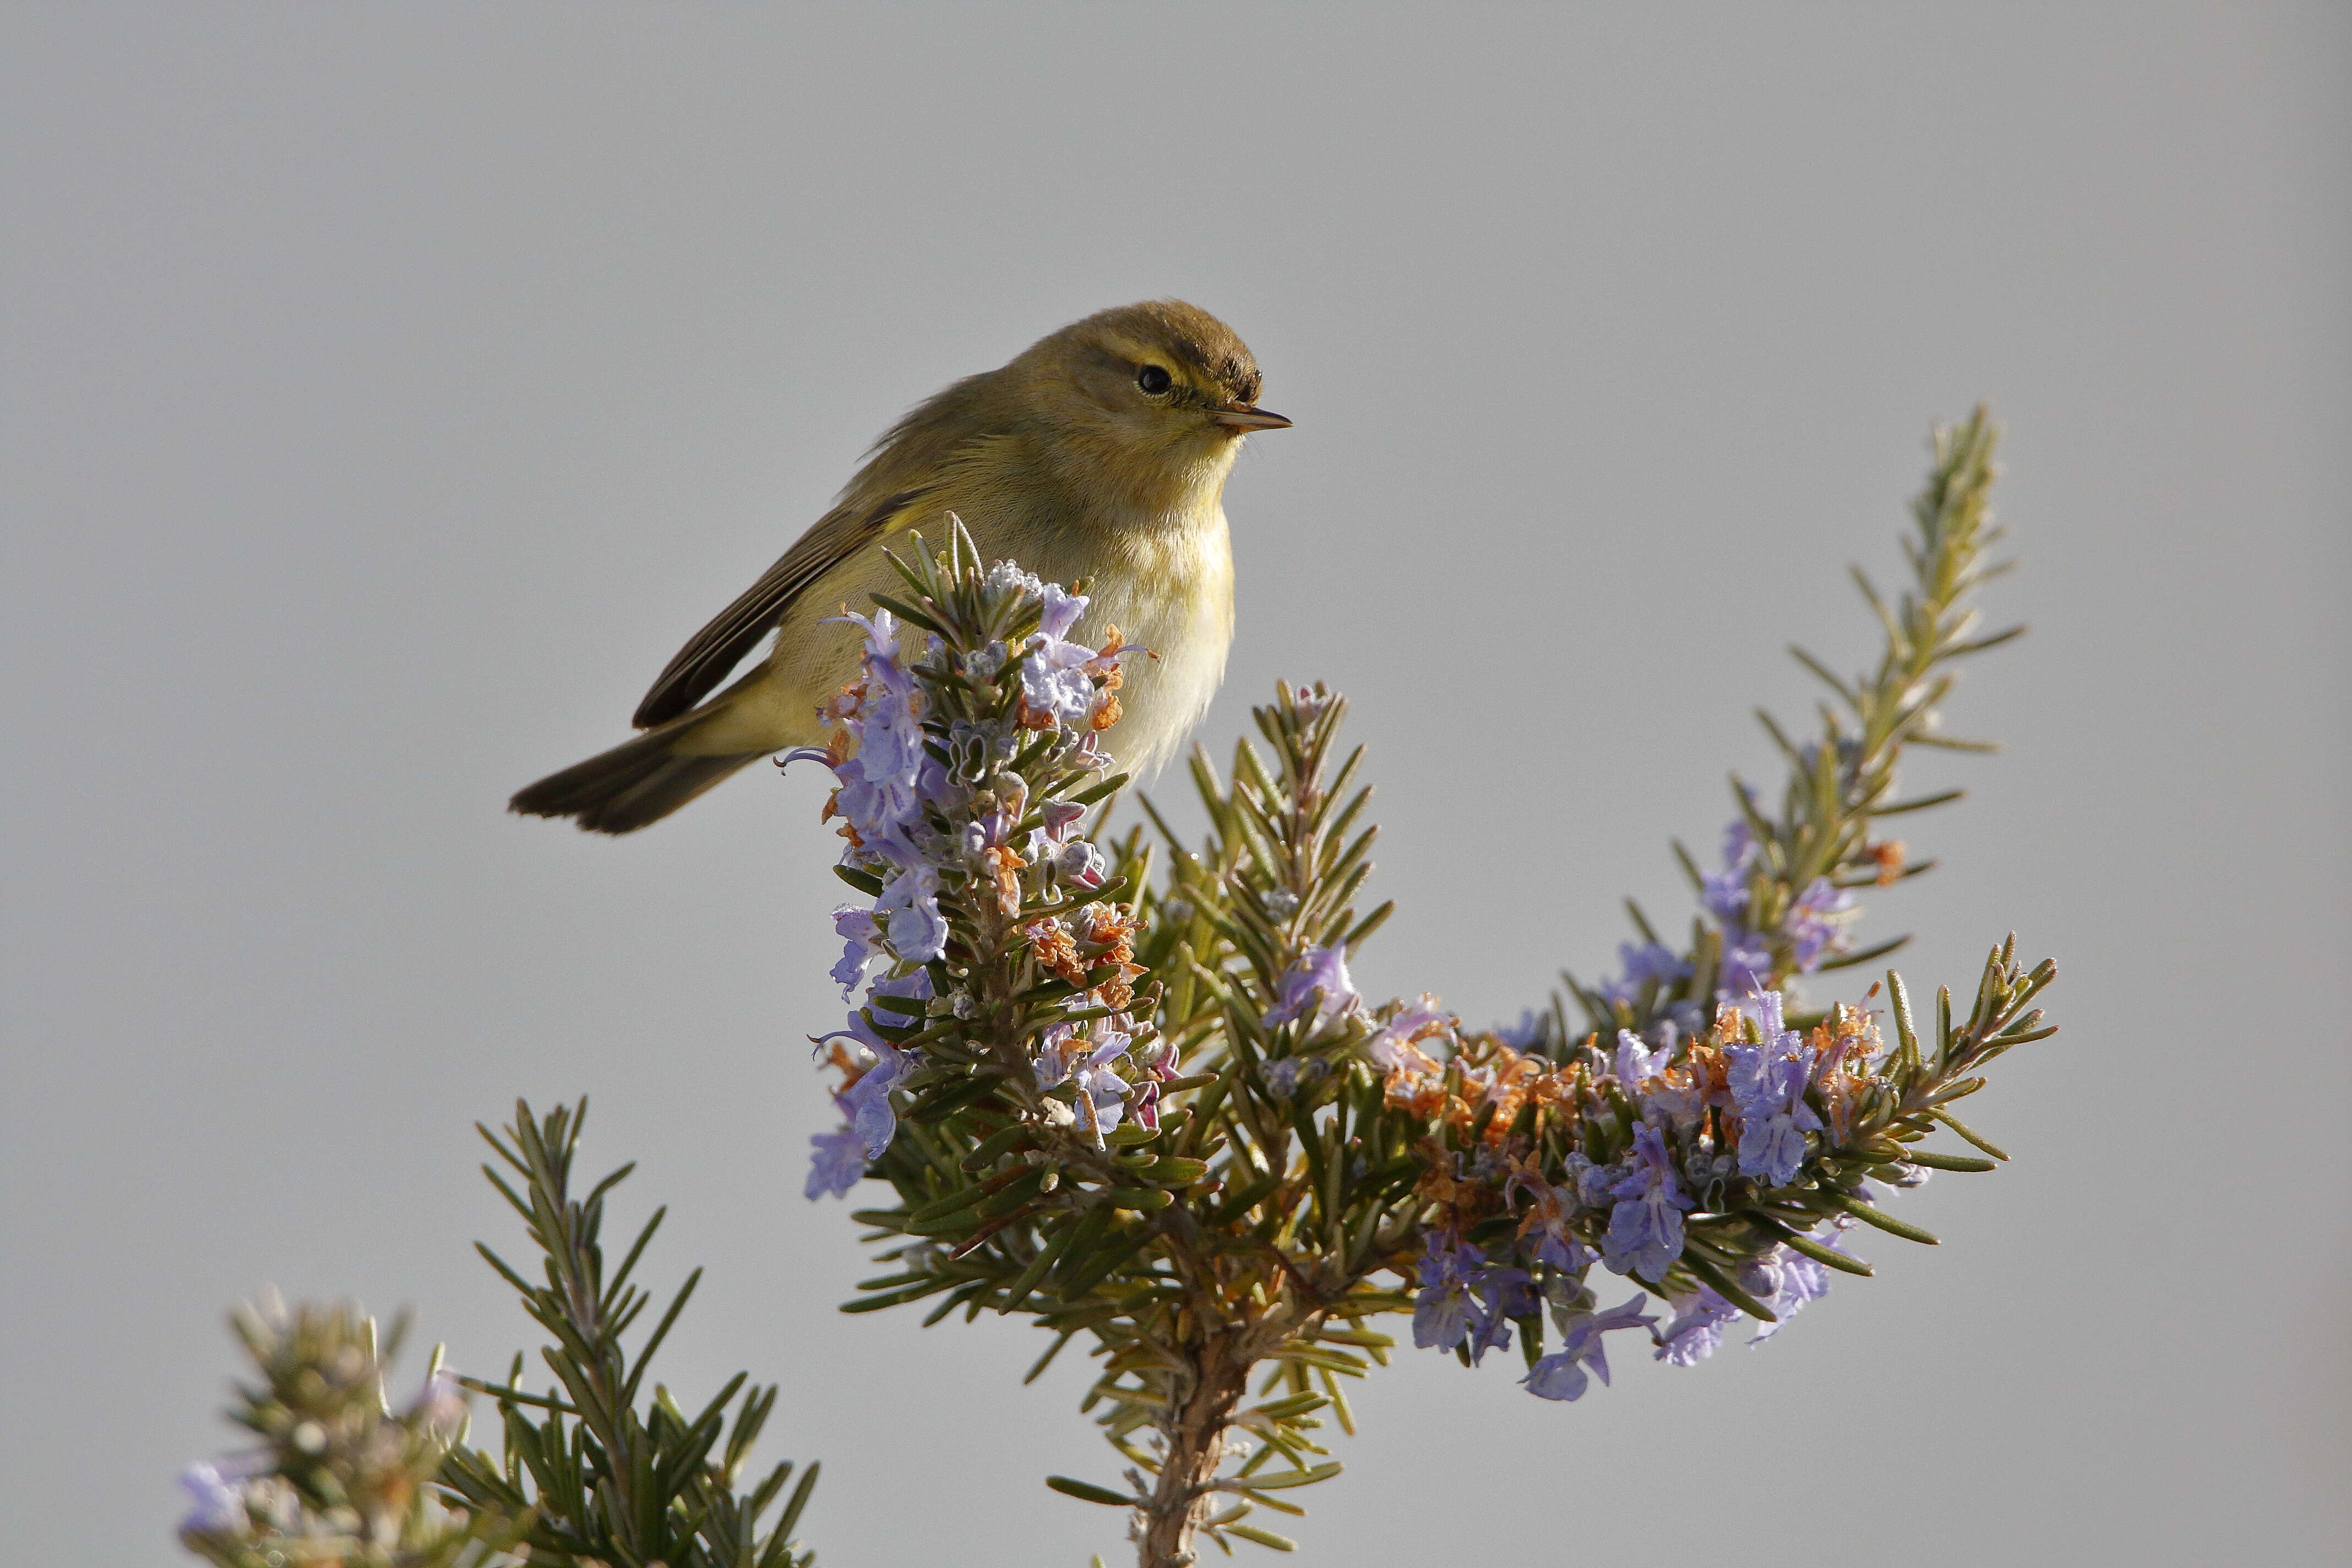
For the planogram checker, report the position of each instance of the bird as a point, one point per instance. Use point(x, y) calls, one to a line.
point(1099, 452)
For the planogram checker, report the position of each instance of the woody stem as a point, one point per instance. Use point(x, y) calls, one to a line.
point(1193, 1429)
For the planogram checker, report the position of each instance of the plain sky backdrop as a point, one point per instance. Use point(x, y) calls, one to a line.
point(390, 389)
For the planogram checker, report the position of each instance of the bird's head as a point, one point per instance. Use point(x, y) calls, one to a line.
point(1144, 398)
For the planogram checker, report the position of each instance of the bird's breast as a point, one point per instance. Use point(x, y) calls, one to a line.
point(1167, 585)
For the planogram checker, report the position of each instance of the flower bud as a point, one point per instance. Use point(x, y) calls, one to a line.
point(1080, 862)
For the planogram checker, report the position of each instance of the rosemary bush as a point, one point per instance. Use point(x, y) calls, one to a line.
point(1158, 1117)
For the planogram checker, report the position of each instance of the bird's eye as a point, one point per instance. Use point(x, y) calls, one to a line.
point(1154, 380)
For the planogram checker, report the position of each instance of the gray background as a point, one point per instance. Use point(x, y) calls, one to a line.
point(390, 390)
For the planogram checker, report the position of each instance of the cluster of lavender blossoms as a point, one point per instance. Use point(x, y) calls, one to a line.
point(967, 809)
point(1731, 1106)
point(1762, 1080)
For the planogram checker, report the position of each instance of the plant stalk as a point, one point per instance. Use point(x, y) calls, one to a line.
point(1194, 1436)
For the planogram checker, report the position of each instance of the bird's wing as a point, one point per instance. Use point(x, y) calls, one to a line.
point(717, 648)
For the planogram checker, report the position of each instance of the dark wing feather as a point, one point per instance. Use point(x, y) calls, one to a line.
point(717, 648)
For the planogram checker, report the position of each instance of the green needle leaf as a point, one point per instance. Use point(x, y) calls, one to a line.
point(1087, 1491)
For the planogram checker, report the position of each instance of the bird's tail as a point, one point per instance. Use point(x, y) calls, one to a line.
point(637, 782)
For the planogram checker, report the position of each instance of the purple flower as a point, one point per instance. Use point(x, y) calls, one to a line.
point(1388, 1049)
point(1061, 610)
point(913, 988)
point(1815, 931)
point(868, 1102)
point(1544, 1236)
point(1054, 676)
point(837, 1164)
point(1317, 981)
point(1665, 1096)
point(909, 819)
point(1282, 1076)
point(890, 733)
point(1053, 1064)
point(919, 931)
point(1502, 1294)
point(1591, 1181)
point(1102, 1093)
point(882, 788)
point(215, 1494)
point(1645, 1227)
point(1061, 816)
point(1643, 961)
point(1527, 1034)
point(1767, 1086)
point(1080, 862)
point(1725, 894)
point(1558, 1245)
point(1790, 1280)
point(1465, 1295)
point(1651, 961)
point(1636, 1061)
point(1561, 1375)
point(1159, 1062)
point(879, 793)
point(1067, 1057)
point(858, 929)
point(1738, 841)
point(1695, 1330)
point(857, 1030)
point(1441, 1312)
point(987, 830)
point(1158, 1058)
point(1746, 963)
point(1761, 1275)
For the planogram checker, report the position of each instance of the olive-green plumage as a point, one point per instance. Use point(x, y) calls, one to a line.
point(1100, 452)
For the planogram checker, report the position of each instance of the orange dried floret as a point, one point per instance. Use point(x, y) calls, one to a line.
point(1547, 1213)
point(1004, 867)
point(1111, 927)
point(1107, 663)
point(1420, 1093)
point(1465, 1200)
point(1845, 1046)
point(1050, 945)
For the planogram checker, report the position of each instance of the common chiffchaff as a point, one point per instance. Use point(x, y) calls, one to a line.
point(1101, 452)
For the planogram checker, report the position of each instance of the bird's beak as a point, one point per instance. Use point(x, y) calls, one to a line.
point(1248, 417)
